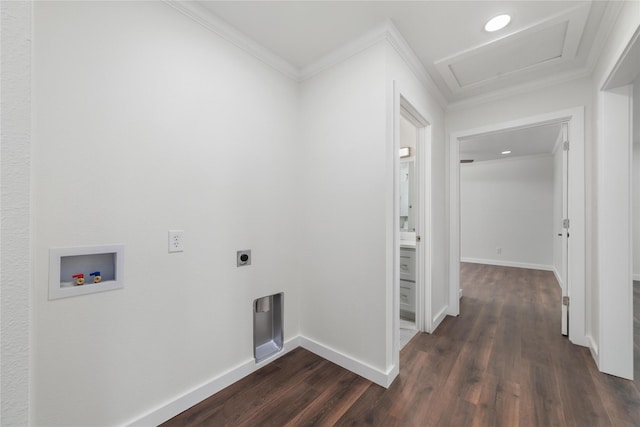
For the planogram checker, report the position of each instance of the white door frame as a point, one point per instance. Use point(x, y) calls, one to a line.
point(402, 105)
point(577, 254)
point(614, 352)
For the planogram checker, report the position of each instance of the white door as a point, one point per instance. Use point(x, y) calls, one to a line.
point(565, 235)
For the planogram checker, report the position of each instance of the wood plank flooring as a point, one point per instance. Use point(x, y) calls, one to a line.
point(502, 362)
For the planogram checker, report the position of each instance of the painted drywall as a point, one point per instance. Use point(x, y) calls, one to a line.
point(340, 207)
point(347, 266)
point(557, 214)
point(15, 171)
point(144, 121)
point(635, 182)
point(508, 204)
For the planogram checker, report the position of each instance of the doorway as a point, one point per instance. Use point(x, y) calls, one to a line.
point(413, 243)
point(513, 202)
point(575, 271)
point(409, 228)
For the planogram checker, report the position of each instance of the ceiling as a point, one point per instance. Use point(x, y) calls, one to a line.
point(546, 41)
point(537, 140)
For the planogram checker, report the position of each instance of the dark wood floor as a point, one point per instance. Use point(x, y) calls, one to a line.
point(502, 362)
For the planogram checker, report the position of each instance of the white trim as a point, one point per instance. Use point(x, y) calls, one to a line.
point(438, 318)
point(405, 51)
point(344, 52)
point(558, 278)
point(593, 348)
point(366, 371)
point(502, 263)
point(384, 31)
point(607, 24)
point(388, 31)
point(614, 251)
point(528, 87)
point(636, 277)
point(170, 409)
point(211, 22)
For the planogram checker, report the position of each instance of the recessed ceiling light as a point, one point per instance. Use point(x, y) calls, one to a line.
point(506, 152)
point(497, 23)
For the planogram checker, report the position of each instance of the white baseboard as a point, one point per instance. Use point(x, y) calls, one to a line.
point(181, 403)
point(439, 318)
point(558, 278)
point(502, 263)
point(185, 401)
point(381, 378)
point(593, 348)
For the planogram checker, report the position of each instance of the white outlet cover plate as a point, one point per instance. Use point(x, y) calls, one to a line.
point(176, 240)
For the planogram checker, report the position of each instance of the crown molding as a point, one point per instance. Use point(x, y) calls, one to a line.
point(605, 28)
point(216, 25)
point(388, 31)
point(413, 62)
point(385, 31)
point(344, 52)
point(521, 89)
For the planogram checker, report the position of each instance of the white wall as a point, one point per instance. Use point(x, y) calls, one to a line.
point(635, 183)
point(508, 204)
point(345, 169)
point(340, 207)
point(143, 122)
point(15, 271)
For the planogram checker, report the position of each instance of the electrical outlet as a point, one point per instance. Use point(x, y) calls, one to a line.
point(498, 251)
point(243, 257)
point(176, 240)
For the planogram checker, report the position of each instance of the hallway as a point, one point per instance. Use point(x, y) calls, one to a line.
point(501, 362)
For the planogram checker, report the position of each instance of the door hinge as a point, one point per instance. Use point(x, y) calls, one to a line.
point(565, 146)
point(565, 223)
point(565, 301)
